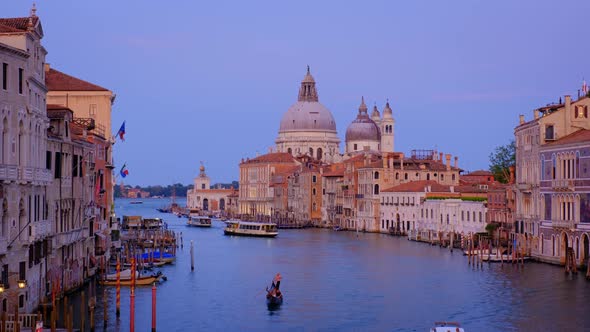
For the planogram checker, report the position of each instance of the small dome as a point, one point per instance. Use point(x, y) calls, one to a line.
point(363, 128)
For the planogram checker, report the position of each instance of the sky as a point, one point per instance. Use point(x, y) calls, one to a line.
point(210, 80)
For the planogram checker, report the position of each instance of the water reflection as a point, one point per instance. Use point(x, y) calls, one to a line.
point(345, 281)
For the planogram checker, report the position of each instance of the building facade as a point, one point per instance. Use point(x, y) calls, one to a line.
point(209, 200)
point(25, 225)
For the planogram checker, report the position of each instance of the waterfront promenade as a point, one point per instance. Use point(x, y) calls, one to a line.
point(345, 281)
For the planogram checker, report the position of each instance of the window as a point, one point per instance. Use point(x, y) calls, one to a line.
point(405, 176)
point(376, 175)
point(549, 133)
point(22, 271)
point(355, 147)
point(48, 160)
point(75, 166)
point(67, 128)
point(376, 191)
point(462, 215)
point(313, 192)
point(20, 81)
point(313, 179)
point(4, 76)
point(57, 170)
point(5, 276)
point(202, 186)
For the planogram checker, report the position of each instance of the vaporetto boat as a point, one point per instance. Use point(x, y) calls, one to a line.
point(249, 228)
point(199, 221)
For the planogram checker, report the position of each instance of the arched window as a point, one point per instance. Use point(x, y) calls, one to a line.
point(397, 176)
point(311, 152)
point(289, 151)
point(319, 153)
point(427, 176)
point(480, 217)
point(554, 166)
point(376, 175)
point(376, 190)
point(405, 176)
point(577, 166)
point(447, 218)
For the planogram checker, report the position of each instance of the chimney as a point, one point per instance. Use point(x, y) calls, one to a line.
point(521, 119)
point(448, 157)
point(440, 155)
point(401, 161)
point(456, 162)
point(568, 115)
point(511, 168)
point(536, 114)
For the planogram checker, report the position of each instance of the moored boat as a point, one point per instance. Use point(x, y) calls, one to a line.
point(125, 279)
point(248, 228)
point(136, 202)
point(447, 327)
point(199, 221)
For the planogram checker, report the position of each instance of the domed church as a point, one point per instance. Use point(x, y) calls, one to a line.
point(373, 133)
point(308, 127)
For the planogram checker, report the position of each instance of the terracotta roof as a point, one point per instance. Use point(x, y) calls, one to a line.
point(479, 173)
point(5, 28)
point(419, 186)
point(335, 173)
point(579, 136)
point(18, 23)
point(58, 81)
point(276, 157)
point(56, 107)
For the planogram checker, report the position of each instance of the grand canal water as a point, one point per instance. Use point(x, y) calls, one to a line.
point(341, 281)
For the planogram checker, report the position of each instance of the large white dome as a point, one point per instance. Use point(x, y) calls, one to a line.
point(308, 116)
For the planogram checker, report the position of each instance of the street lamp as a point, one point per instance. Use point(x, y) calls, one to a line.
point(1, 288)
point(22, 284)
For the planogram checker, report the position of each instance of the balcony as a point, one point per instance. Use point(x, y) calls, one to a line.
point(568, 224)
point(40, 230)
point(563, 184)
point(67, 238)
point(8, 172)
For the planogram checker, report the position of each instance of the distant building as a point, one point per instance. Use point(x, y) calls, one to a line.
point(257, 196)
point(207, 200)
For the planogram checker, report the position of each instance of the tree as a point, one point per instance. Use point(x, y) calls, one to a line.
point(501, 160)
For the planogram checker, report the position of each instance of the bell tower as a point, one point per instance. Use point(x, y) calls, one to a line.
point(202, 181)
point(386, 125)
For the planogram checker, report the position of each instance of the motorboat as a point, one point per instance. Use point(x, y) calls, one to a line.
point(126, 280)
point(447, 327)
point(199, 221)
point(249, 228)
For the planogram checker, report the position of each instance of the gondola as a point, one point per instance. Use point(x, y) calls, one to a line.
point(274, 297)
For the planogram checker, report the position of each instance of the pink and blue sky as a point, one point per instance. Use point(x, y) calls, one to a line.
point(210, 80)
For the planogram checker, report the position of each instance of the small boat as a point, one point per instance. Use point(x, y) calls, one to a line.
point(447, 327)
point(111, 279)
point(248, 228)
point(136, 202)
point(274, 297)
point(337, 228)
point(502, 258)
point(199, 221)
point(166, 257)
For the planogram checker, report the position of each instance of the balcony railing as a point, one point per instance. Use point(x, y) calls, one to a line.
point(569, 224)
point(8, 172)
point(24, 174)
point(562, 184)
